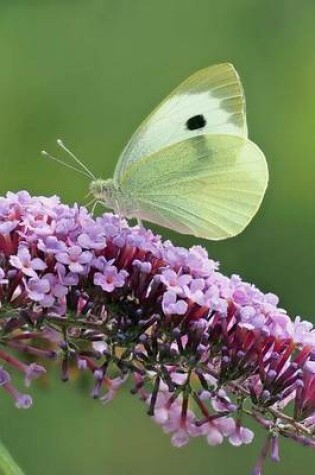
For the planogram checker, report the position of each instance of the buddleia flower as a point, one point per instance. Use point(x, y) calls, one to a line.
point(203, 351)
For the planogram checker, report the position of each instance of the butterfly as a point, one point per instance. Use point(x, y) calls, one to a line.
point(190, 166)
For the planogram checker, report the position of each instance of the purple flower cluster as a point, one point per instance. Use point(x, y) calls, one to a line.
point(203, 351)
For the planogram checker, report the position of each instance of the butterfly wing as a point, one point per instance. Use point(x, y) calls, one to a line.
point(210, 186)
point(210, 101)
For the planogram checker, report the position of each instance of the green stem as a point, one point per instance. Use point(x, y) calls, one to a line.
point(7, 465)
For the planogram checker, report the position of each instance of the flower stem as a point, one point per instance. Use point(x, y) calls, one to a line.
point(7, 465)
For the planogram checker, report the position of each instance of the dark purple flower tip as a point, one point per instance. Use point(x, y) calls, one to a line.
point(98, 374)
point(82, 364)
point(4, 377)
point(23, 401)
point(33, 371)
point(275, 449)
point(232, 407)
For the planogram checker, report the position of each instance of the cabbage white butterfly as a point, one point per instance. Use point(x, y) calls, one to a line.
point(190, 165)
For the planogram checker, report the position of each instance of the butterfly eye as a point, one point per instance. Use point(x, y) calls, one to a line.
point(196, 122)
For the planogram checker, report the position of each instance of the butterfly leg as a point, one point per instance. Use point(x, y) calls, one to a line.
point(135, 214)
point(94, 203)
point(118, 211)
point(94, 206)
point(89, 203)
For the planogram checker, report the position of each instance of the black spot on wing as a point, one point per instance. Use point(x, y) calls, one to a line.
point(196, 122)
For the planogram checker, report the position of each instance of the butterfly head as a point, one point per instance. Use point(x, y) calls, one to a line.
point(104, 191)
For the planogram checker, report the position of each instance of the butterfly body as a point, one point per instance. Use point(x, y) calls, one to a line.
point(109, 194)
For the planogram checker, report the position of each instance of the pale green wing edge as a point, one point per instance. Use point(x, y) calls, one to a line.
point(208, 186)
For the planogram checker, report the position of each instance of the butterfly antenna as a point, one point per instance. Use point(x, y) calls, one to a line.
point(62, 145)
point(47, 155)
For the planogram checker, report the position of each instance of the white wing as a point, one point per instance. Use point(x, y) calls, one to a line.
point(210, 186)
point(210, 101)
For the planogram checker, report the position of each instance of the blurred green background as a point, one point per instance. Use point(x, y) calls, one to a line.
point(89, 72)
